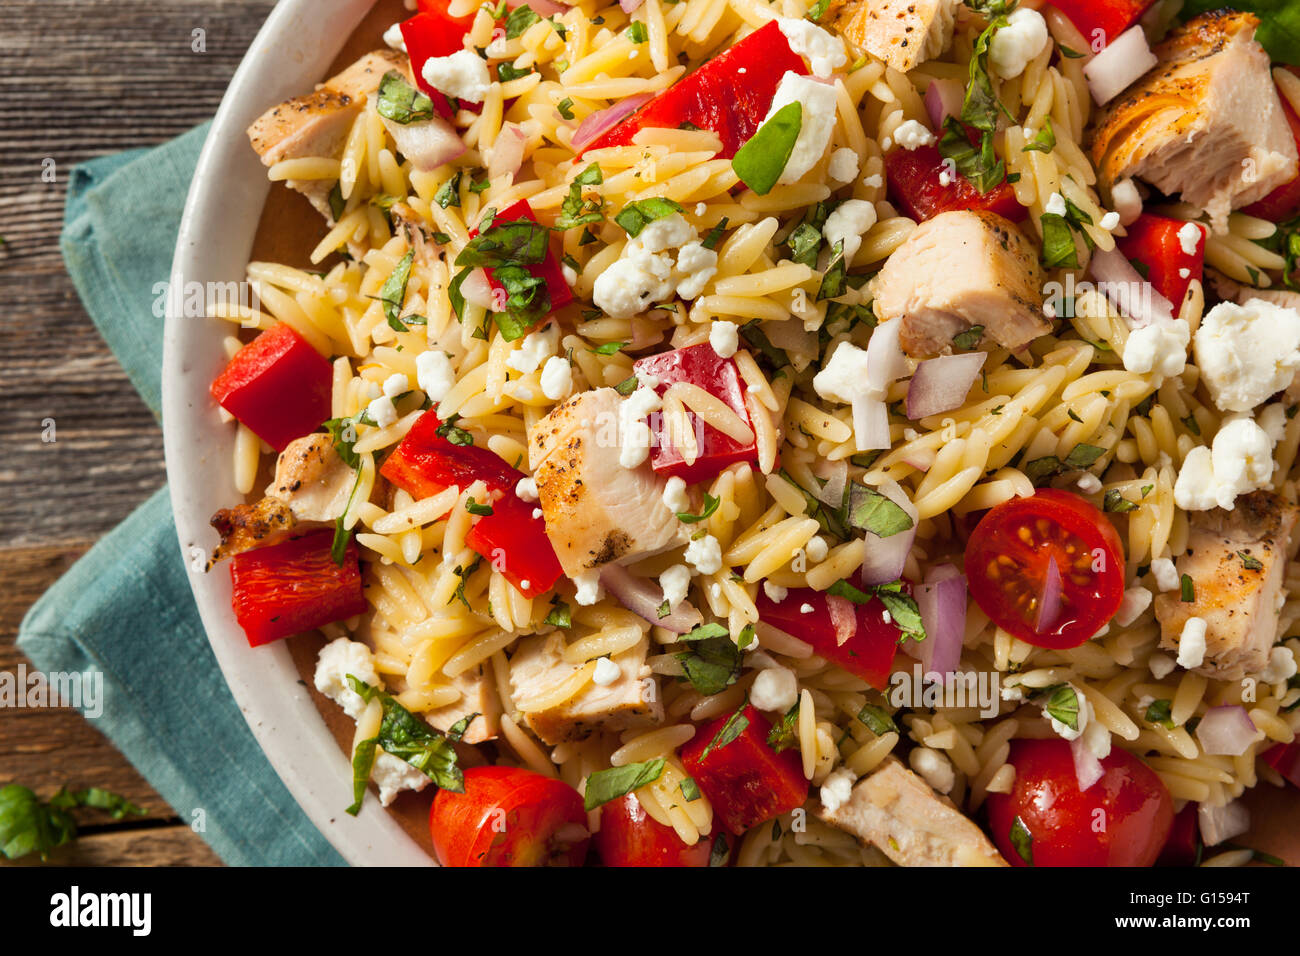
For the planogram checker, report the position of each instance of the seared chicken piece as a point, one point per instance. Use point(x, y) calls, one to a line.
point(312, 479)
point(632, 701)
point(361, 80)
point(1231, 291)
point(596, 510)
point(902, 33)
point(958, 270)
point(245, 527)
point(1205, 122)
point(899, 813)
point(1240, 604)
point(478, 696)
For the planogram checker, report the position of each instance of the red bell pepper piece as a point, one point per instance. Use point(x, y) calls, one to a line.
point(746, 780)
point(1153, 241)
point(915, 188)
point(294, 586)
point(868, 654)
point(424, 463)
point(699, 365)
point(434, 34)
point(549, 269)
point(1110, 17)
point(730, 94)
point(277, 385)
point(1283, 203)
point(1285, 759)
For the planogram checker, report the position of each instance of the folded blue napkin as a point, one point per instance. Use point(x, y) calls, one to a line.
point(125, 608)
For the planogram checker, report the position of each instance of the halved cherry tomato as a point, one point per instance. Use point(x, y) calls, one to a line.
point(1121, 820)
point(629, 836)
point(509, 817)
point(1048, 569)
point(868, 654)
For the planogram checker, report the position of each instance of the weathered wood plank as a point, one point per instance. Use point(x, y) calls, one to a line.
point(171, 845)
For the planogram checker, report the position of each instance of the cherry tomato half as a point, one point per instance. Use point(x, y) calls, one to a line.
point(1123, 819)
point(631, 837)
point(509, 817)
point(1048, 569)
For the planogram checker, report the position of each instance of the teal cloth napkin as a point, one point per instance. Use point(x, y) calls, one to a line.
point(125, 609)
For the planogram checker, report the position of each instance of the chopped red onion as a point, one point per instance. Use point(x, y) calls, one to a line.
point(545, 8)
point(630, 6)
point(836, 476)
point(941, 384)
point(477, 290)
point(507, 151)
point(1222, 823)
point(943, 98)
point(427, 144)
point(1087, 768)
point(791, 336)
point(843, 618)
point(643, 597)
point(1049, 606)
point(942, 603)
point(601, 121)
point(871, 424)
point(1136, 298)
point(883, 558)
point(922, 459)
point(1226, 730)
point(1111, 71)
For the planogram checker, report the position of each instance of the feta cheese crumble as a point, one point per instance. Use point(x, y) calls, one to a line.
point(557, 378)
point(434, 374)
point(1240, 460)
point(1135, 601)
point(724, 337)
point(606, 672)
point(934, 768)
point(774, 689)
point(336, 661)
point(1247, 352)
point(705, 555)
point(824, 51)
point(1160, 347)
point(848, 224)
point(843, 165)
point(647, 272)
point(818, 120)
point(633, 430)
point(526, 489)
point(675, 582)
point(1188, 236)
point(1191, 644)
point(463, 75)
point(837, 789)
point(535, 349)
point(675, 496)
point(1019, 42)
point(775, 593)
point(1165, 573)
point(912, 135)
point(588, 588)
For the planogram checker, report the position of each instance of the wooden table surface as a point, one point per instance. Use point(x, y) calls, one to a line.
point(83, 78)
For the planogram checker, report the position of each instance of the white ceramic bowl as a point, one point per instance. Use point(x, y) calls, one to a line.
point(292, 52)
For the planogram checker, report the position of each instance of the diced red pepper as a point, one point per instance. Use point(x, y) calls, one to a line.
point(1111, 17)
point(424, 463)
point(294, 586)
point(868, 654)
point(434, 34)
point(549, 269)
point(916, 189)
point(699, 365)
point(1153, 241)
point(729, 94)
point(1285, 759)
point(277, 385)
point(1283, 203)
point(746, 780)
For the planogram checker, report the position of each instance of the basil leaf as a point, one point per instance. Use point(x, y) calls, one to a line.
point(1063, 706)
point(871, 511)
point(408, 738)
point(1045, 141)
point(902, 608)
point(455, 295)
point(636, 32)
point(804, 242)
point(844, 589)
point(704, 632)
point(690, 789)
point(520, 19)
point(454, 433)
point(339, 544)
point(560, 616)
point(606, 785)
point(393, 292)
point(448, 193)
point(1058, 242)
point(638, 214)
point(521, 242)
point(817, 11)
point(1187, 589)
point(979, 165)
point(878, 720)
point(1250, 563)
point(344, 433)
point(785, 732)
point(1082, 456)
point(528, 301)
point(721, 852)
point(713, 664)
point(337, 202)
point(609, 348)
point(1022, 840)
point(969, 339)
point(715, 236)
point(508, 71)
point(474, 508)
point(401, 102)
point(363, 763)
point(833, 279)
point(710, 505)
point(760, 162)
point(1160, 712)
point(1116, 503)
point(733, 728)
point(627, 386)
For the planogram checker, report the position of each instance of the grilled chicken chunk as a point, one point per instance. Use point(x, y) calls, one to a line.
point(538, 668)
point(902, 33)
point(596, 510)
point(899, 813)
point(958, 270)
point(478, 696)
point(312, 479)
point(245, 527)
point(1232, 291)
point(1239, 603)
point(1205, 122)
point(317, 125)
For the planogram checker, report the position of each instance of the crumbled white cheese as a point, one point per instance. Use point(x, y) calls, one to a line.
point(705, 555)
point(774, 689)
point(588, 587)
point(526, 489)
point(1096, 737)
point(1281, 666)
point(1055, 205)
point(336, 661)
point(818, 120)
point(393, 37)
point(1089, 483)
point(434, 374)
point(1161, 665)
point(816, 549)
point(844, 379)
point(843, 165)
point(824, 51)
point(1160, 347)
point(1247, 352)
point(1239, 461)
point(1064, 731)
point(392, 775)
point(848, 224)
point(912, 135)
point(570, 276)
point(1272, 418)
point(806, 609)
point(1135, 601)
point(1191, 644)
point(934, 767)
point(647, 272)
point(775, 592)
point(537, 513)
point(1189, 236)
point(1184, 273)
point(874, 181)
point(724, 337)
point(396, 385)
point(675, 582)
point(1165, 573)
point(535, 348)
point(1110, 221)
point(837, 789)
point(382, 411)
point(557, 378)
point(1126, 199)
point(606, 672)
point(675, 496)
point(633, 431)
point(463, 75)
point(1018, 43)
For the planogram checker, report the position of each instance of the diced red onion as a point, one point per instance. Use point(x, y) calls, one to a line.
point(843, 617)
point(1111, 71)
point(942, 603)
point(886, 361)
point(1222, 823)
point(630, 6)
point(836, 475)
point(883, 558)
point(791, 336)
point(1087, 768)
point(871, 424)
point(1136, 298)
point(1049, 604)
point(645, 333)
point(545, 8)
point(922, 459)
point(943, 98)
point(941, 384)
point(1226, 730)
point(427, 144)
point(643, 597)
point(477, 290)
point(601, 121)
point(507, 151)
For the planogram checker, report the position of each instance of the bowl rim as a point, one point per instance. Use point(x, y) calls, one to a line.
point(292, 51)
